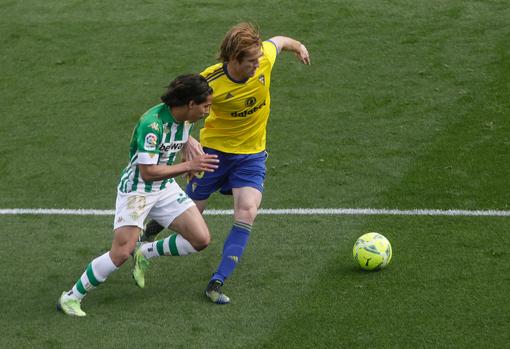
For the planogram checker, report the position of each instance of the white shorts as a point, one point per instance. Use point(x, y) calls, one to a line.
point(162, 206)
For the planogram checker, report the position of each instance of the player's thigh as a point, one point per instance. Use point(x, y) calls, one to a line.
point(171, 204)
point(191, 225)
point(249, 171)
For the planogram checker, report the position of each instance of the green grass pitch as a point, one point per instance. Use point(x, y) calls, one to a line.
point(405, 106)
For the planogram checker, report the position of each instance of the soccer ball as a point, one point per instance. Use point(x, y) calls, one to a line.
point(372, 251)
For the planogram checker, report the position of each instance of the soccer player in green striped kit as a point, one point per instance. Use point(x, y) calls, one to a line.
point(147, 188)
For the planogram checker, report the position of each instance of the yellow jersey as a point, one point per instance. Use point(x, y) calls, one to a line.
point(240, 109)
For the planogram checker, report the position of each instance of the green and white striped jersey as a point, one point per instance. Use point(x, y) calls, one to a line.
point(156, 139)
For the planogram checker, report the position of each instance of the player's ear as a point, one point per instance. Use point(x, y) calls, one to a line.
point(191, 104)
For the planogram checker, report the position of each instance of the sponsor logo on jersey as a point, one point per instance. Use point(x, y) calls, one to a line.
point(262, 79)
point(242, 114)
point(173, 147)
point(150, 141)
point(154, 126)
point(250, 102)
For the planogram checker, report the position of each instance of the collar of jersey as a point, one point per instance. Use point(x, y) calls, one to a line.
point(231, 78)
point(167, 116)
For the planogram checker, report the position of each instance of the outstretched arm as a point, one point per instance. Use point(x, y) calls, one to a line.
point(284, 43)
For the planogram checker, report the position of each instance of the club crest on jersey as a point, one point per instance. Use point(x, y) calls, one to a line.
point(229, 95)
point(154, 126)
point(262, 79)
point(150, 141)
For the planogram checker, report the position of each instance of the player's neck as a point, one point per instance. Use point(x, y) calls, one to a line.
point(178, 113)
point(234, 72)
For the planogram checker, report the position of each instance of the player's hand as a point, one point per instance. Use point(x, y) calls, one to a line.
point(204, 162)
point(303, 55)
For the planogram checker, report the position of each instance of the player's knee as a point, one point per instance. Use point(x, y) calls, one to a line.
point(201, 242)
point(119, 256)
point(246, 214)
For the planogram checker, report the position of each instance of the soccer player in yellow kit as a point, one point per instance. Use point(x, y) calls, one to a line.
point(235, 131)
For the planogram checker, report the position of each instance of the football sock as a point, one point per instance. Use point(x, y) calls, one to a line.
point(96, 273)
point(174, 245)
point(232, 250)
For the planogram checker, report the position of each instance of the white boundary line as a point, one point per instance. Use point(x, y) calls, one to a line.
point(269, 211)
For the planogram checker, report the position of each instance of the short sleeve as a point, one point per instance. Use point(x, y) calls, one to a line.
point(148, 138)
point(270, 51)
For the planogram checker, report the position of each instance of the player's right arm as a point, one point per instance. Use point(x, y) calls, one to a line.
point(284, 43)
point(204, 162)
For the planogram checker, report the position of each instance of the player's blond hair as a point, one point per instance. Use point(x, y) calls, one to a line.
point(238, 40)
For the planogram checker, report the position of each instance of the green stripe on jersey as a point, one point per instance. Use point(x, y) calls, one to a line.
point(148, 186)
point(171, 159)
point(135, 179)
point(179, 132)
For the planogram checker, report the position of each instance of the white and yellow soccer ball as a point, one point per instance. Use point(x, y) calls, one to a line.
point(372, 251)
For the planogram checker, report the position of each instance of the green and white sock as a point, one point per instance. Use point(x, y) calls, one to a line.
point(174, 245)
point(96, 273)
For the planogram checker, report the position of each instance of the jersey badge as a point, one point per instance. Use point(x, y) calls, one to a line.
point(154, 126)
point(262, 79)
point(229, 95)
point(150, 141)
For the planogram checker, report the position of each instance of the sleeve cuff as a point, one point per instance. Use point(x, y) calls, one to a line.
point(147, 158)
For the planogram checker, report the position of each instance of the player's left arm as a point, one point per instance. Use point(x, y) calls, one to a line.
point(284, 43)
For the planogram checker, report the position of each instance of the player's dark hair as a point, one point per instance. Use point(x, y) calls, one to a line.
point(186, 88)
point(239, 40)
